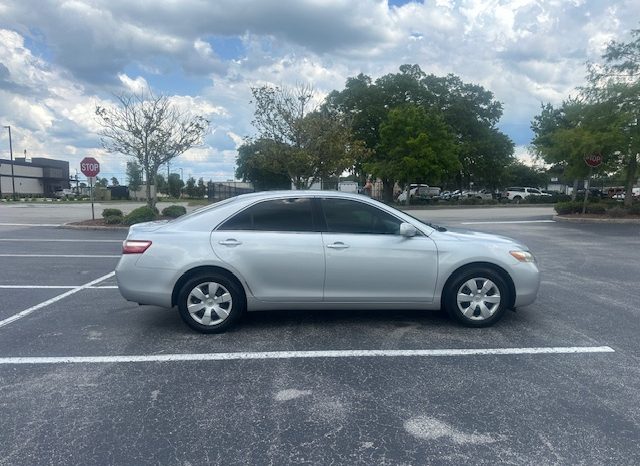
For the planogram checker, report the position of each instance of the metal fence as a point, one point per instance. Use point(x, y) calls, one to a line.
point(219, 191)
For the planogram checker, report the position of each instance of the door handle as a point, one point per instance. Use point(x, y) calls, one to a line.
point(338, 245)
point(230, 242)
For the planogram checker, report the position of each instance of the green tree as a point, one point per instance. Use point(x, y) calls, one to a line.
point(114, 181)
point(161, 184)
point(134, 176)
point(615, 85)
point(102, 182)
point(175, 185)
point(414, 146)
point(258, 162)
point(519, 174)
point(296, 138)
point(151, 130)
point(201, 188)
point(190, 187)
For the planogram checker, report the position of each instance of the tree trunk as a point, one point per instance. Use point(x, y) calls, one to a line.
point(632, 168)
point(150, 199)
point(387, 190)
point(575, 189)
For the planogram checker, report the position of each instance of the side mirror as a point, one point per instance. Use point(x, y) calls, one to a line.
point(407, 230)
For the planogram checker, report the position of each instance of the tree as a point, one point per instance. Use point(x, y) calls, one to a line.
point(615, 85)
point(201, 189)
point(161, 184)
point(134, 176)
point(414, 146)
point(190, 187)
point(519, 174)
point(114, 181)
point(295, 137)
point(149, 129)
point(175, 185)
point(258, 163)
point(102, 182)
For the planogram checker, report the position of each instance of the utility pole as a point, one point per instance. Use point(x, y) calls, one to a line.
point(13, 180)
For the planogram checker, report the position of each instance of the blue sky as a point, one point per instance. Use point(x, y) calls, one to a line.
point(60, 59)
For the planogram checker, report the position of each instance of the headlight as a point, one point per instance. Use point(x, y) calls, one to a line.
point(523, 256)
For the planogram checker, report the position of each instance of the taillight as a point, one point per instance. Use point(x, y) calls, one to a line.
point(134, 246)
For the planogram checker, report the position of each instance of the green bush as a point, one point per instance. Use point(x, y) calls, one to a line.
point(113, 219)
point(139, 215)
point(111, 213)
point(569, 207)
point(174, 211)
point(595, 208)
point(635, 209)
point(617, 212)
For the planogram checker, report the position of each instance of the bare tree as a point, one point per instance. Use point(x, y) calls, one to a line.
point(150, 129)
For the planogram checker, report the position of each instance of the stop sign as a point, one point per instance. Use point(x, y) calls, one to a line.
point(89, 166)
point(593, 160)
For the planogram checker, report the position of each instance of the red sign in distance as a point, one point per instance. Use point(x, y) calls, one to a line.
point(593, 160)
point(89, 166)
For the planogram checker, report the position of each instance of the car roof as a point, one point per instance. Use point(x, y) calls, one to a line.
point(299, 193)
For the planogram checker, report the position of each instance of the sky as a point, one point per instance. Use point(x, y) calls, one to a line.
point(61, 58)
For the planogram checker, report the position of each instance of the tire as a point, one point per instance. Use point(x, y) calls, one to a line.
point(517, 199)
point(483, 308)
point(211, 303)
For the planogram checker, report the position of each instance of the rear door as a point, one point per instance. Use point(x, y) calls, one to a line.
point(275, 246)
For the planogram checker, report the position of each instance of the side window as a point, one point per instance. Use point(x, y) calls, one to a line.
point(292, 214)
point(346, 216)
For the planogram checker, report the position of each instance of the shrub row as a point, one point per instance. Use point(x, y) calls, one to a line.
point(610, 208)
point(141, 214)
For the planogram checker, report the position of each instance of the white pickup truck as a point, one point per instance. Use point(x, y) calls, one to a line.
point(518, 193)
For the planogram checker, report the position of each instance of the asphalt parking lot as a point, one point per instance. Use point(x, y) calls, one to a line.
point(88, 378)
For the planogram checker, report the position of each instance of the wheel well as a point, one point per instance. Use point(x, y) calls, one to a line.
point(199, 271)
point(488, 265)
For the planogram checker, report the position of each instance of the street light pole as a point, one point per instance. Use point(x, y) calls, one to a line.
point(13, 180)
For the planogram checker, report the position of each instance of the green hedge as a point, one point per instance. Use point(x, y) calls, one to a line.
point(174, 211)
point(111, 213)
point(141, 214)
point(113, 219)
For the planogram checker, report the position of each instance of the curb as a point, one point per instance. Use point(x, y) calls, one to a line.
point(69, 226)
point(633, 221)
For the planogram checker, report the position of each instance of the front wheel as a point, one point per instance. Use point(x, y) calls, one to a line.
point(477, 297)
point(211, 303)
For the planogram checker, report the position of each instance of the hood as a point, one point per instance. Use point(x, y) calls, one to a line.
point(470, 235)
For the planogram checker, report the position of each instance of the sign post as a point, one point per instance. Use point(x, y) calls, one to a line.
point(90, 167)
point(592, 161)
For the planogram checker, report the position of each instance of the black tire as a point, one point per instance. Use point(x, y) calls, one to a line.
point(458, 283)
point(197, 320)
point(517, 199)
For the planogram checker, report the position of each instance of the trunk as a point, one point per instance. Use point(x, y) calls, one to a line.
point(151, 201)
point(387, 190)
point(575, 189)
point(631, 178)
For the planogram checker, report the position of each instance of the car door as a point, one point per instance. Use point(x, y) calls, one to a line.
point(275, 246)
point(367, 260)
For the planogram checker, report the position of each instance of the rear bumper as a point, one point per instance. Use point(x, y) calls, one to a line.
point(154, 286)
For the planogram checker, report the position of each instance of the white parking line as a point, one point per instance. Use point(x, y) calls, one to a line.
point(62, 255)
point(45, 240)
point(508, 221)
point(54, 287)
point(30, 224)
point(28, 311)
point(304, 355)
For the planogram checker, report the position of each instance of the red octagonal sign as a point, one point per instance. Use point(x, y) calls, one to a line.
point(593, 160)
point(89, 166)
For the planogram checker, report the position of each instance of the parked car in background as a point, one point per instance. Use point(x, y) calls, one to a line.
point(518, 193)
point(422, 191)
point(319, 250)
point(483, 194)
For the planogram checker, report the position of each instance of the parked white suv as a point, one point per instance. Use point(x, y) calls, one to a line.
point(518, 193)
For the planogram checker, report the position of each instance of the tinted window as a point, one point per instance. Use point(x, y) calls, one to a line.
point(345, 216)
point(277, 215)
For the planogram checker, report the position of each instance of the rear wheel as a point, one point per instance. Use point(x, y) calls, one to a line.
point(211, 303)
point(517, 199)
point(477, 297)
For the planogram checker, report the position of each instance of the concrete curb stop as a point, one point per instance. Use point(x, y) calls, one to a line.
point(559, 218)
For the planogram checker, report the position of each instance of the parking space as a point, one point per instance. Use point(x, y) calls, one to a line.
point(390, 407)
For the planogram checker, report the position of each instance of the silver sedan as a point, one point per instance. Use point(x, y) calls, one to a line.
point(319, 250)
